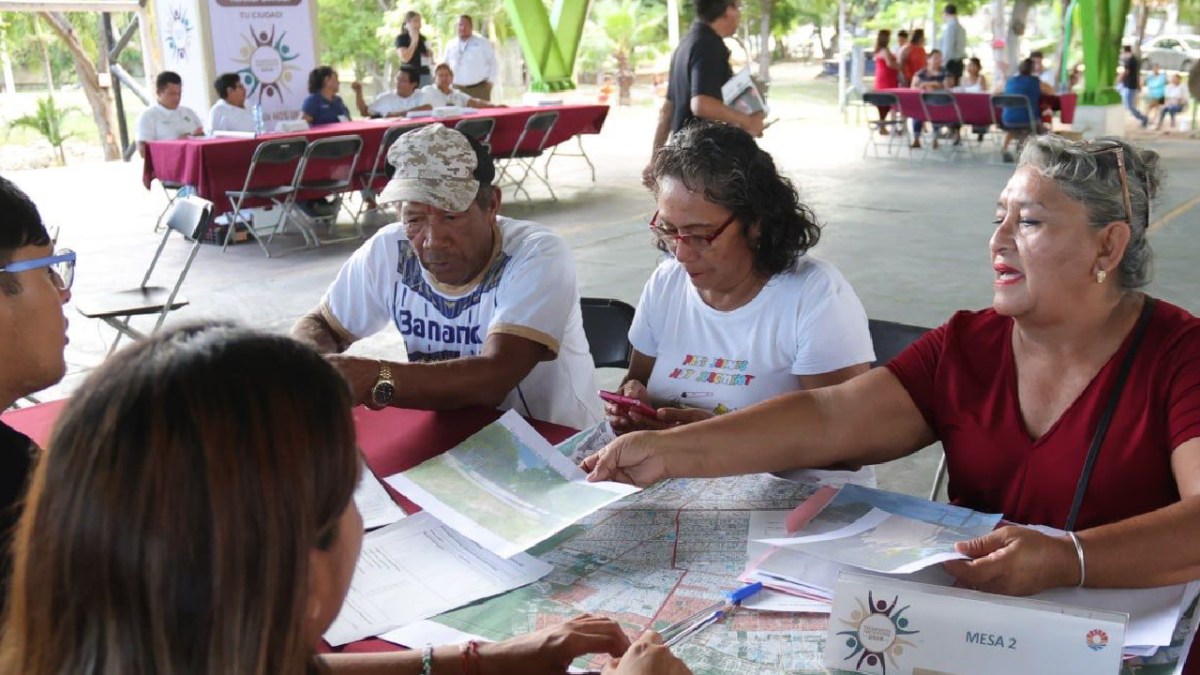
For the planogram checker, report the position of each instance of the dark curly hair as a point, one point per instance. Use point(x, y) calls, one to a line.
point(317, 77)
point(725, 163)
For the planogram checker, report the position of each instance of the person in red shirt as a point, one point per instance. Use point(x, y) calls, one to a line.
point(912, 58)
point(887, 71)
point(1015, 393)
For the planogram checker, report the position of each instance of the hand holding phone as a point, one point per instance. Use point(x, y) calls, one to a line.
point(629, 403)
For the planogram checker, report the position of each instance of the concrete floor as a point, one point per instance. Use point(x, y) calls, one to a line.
point(911, 238)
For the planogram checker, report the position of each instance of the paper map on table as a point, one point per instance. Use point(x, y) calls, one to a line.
point(505, 487)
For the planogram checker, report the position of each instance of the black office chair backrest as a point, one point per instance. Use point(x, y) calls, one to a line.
point(335, 147)
point(542, 121)
point(280, 151)
point(606, 323)
point(890, 338)
point(479, 128)
point(189, 217)
point(1010, 101)
point(937, 98)
point(880, 98)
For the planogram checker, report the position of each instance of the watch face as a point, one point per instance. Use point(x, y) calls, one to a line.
point(383, 392)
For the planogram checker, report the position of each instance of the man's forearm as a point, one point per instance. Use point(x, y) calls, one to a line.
point(445, 385)
point(663, 130)
point(313, 330)
point(710, 108)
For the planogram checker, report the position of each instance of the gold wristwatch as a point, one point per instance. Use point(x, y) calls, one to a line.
point(384, 389)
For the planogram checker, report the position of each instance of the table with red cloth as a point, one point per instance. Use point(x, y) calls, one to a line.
point(215, 165)
point(395, 439)
point(975, 106)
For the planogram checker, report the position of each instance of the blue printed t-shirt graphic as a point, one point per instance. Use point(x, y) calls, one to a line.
point(444, 328)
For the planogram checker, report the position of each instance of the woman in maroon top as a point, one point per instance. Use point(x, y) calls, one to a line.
point(1015, 393)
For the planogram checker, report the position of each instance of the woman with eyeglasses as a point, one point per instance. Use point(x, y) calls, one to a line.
point(1073, 402)
point(738, 312)
point(195, 515)
point(35, 283)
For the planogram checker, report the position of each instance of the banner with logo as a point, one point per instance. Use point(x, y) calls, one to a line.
point(184, 49)
point(271, 45)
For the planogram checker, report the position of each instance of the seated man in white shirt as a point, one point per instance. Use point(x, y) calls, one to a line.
point(440, 93)
point(166, 120)
point(394, 103)
point(229, 112)
point(472, 60)
point(488, 306)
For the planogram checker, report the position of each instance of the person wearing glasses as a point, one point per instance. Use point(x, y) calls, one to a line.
point(156, 537)
point(35, 283)
point(1073, 401)
point(488, 306)
point(739, 311)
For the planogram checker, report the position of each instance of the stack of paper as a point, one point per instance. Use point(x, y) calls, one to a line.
point(373, 502)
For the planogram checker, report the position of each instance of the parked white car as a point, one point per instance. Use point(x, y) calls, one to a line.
point(1171, 52)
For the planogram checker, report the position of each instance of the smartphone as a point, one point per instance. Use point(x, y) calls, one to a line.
point(630, 403)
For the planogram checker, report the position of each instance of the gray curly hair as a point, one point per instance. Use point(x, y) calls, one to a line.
point(1088, 173)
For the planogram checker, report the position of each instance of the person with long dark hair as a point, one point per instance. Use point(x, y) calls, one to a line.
point(323, 105)
point(196, 517)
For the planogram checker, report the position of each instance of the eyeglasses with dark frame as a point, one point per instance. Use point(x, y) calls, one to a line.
point(1103, 146)
point(61, 266)
point(696, 242)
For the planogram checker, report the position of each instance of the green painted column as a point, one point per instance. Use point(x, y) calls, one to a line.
point(1101, 25)
point(550, 42)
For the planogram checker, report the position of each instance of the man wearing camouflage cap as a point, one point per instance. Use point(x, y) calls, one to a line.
point(488, 306)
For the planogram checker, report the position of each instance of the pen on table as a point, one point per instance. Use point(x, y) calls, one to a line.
point(681, 630)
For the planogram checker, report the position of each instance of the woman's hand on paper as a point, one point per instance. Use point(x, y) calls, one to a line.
point(1016, 560)
point(647, 656)
point(630, 459)
point(552, 649)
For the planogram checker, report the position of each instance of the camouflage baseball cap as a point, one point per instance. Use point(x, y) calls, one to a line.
point(434, 165)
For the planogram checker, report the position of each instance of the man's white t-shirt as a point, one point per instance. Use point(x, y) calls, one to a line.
point(528, 290)
point(224, 116)
point(159, 124)
point(391, 103)
point(473, 60)
point(435, 97)
point(804, 322)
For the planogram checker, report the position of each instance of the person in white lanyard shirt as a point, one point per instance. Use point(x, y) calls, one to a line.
point(407, 96)
point(166, 120)
point(472, 60)
point(229, 112)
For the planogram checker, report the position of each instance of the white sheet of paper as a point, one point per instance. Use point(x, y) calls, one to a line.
point(425, 632)
point(774, 601)
point(506, 487)
point(417, 568)
point(374, 502)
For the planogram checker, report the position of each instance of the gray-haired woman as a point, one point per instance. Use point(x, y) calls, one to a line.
point(1018, 394)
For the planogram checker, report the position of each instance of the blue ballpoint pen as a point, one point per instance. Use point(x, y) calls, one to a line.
point(697, 621)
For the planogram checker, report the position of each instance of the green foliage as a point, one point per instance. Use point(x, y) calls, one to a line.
point(47, 121)
point(25, 36)
point(348, 33)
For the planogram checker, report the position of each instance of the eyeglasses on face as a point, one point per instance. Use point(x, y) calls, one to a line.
point(61, 266)
point(697, 242)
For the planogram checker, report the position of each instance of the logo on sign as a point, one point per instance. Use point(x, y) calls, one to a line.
point(876, 634)
point(179, 33)
point(265, 64)
point(1097, 639)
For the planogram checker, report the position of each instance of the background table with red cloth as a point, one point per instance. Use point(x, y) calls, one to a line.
point(215, 165)
point(974, 106)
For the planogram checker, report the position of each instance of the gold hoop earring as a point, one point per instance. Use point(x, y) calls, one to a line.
point(1101, 276)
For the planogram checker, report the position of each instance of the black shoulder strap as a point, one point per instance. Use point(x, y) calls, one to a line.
point(1102, 426)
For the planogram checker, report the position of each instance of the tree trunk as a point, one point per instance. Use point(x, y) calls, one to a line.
point(764, 43)
point(1143, 18)
point(10, 82)
point(624, 79)
point(89, 80)
point(1016, 29)
point(44, 47)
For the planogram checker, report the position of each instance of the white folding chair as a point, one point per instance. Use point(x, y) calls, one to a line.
point(938, 106)
point(557, 151)
point(189, 217)
point(892, 123)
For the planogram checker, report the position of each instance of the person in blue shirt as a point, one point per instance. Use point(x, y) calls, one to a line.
point(323, 105)
point(1015, 121)
point(1156, 90)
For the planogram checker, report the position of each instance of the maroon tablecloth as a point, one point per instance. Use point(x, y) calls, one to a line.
point(215, 165)
point(974, 107)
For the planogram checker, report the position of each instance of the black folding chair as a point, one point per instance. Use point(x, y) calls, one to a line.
point(479, 128)
point(889, 339)
point(892, 123)
point(606, 324)
point(530, 145)
point(273, 153)
point(1002, 102)
point(941, 109)
point(336, 156)
point(189, 217)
